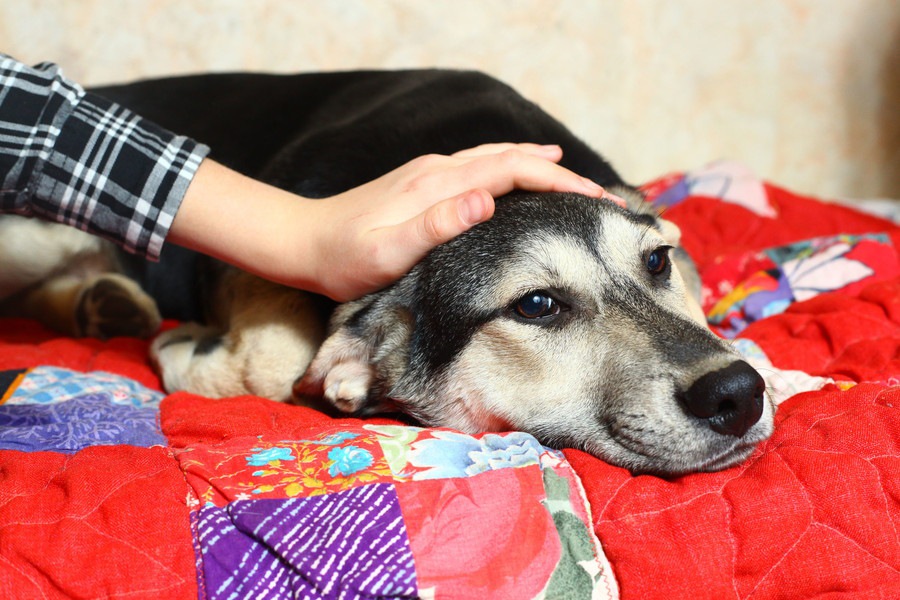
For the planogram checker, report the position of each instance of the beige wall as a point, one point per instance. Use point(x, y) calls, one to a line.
point(806, 92)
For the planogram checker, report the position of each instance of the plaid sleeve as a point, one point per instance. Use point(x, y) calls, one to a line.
point(73, 157)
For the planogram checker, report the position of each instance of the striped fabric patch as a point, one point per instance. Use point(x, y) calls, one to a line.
point(351, 544)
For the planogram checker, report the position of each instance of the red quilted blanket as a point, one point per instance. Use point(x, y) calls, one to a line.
point(110, 489)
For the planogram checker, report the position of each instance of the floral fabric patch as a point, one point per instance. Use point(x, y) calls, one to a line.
point(332, 461)
point(727, 181)
point(752, 287)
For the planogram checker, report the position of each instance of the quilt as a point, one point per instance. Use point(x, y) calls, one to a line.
point(110, 488)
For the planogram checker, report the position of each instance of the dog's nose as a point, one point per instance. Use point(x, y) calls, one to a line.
point(730, 399)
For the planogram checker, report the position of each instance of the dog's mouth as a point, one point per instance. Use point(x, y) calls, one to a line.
point(676, 464)
point(735, 456)
point(643, 450)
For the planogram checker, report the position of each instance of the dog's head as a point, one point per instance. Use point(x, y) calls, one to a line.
point(562, 316)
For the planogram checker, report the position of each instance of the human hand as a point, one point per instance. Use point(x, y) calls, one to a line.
point(373, 234)
point(363, 239)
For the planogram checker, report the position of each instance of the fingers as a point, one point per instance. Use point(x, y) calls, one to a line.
point(510, 169)
point(438, 224)
point(499, 168)
point(449, 218)
point(614, 199)
point(472, 208)
point(546, 151)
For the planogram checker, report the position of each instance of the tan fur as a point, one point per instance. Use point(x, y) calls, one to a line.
point(53, 302)
point(33, 251)
point(268, 335)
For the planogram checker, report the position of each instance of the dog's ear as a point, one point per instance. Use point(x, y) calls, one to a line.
point(363, 355)
point(635, 202)
point(671, 233)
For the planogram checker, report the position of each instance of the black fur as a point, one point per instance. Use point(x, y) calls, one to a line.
point(320, 134)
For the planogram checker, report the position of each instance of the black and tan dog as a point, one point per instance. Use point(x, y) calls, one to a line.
point(563, 316)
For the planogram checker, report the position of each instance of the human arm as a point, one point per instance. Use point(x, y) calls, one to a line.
point(81, 160)
point(363, 239)
point(70, 156)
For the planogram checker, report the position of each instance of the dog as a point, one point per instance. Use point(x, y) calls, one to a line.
point(567, 317)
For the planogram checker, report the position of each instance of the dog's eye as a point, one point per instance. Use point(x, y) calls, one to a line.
point(537, 305)
point(658, 261)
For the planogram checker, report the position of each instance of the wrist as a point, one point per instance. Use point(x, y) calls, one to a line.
point(254, 226)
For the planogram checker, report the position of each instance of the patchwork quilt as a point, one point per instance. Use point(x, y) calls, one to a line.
point(110, 488)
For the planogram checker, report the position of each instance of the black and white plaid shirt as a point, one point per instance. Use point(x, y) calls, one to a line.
point(70, 156)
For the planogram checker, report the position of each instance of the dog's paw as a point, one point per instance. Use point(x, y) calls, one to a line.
point(347, 385)
point(113, 305)
point(173, 351)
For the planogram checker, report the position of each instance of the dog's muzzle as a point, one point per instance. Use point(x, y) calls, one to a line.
point(730, 400)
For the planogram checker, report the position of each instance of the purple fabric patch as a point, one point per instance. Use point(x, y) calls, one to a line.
point(89, 420)
point(352, 544)
point(673, 195)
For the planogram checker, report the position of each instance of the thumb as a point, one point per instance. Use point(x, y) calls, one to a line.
point(449, 218)
point(410, 241)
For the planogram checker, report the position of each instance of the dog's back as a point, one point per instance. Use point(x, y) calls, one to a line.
point(321, 134)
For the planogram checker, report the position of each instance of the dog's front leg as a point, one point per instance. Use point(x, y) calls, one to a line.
point(194, 358)
point(270, 340)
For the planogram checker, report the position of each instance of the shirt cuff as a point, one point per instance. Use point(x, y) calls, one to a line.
point(117, 175)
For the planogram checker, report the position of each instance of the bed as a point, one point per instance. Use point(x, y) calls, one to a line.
point(111, 489)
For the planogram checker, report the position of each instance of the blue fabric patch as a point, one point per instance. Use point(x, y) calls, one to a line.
point(46, 385)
